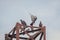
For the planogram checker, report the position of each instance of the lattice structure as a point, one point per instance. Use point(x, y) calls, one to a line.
point(18, 30)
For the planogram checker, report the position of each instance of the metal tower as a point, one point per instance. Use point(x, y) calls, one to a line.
point(17, 31)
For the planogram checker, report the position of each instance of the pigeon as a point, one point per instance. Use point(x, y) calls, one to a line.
point(24, 24)
point(33, 19)
point(40, 24)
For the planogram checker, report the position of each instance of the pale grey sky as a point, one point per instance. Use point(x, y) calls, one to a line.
point(47, 11)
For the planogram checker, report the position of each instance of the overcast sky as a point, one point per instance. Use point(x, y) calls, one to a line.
point(47, 11)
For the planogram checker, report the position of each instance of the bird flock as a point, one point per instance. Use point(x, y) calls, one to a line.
point(33, 19)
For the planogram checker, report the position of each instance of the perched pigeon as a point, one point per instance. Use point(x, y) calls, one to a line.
point(33, 18)
point(40, 24)
point(24, 24)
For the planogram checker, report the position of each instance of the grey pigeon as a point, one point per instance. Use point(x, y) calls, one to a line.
point(33, 19)
point(40, 24)
point(24, 24)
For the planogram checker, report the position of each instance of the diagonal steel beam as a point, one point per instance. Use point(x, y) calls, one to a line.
point(41, 36)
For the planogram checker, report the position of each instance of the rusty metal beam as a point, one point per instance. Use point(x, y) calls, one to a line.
point(44, 33)
point(17, 33)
